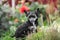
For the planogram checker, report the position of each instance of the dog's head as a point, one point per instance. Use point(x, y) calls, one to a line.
point(32, 15)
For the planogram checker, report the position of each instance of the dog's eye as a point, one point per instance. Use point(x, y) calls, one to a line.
point(32, 17)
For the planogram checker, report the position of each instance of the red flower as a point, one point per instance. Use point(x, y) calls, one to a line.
point(23, 8)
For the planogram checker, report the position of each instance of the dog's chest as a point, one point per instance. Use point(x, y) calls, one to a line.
point(30, 27)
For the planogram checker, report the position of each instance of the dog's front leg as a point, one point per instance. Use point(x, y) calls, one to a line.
point(34, 27)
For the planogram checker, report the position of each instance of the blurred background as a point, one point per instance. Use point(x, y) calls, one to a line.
point(12, 15)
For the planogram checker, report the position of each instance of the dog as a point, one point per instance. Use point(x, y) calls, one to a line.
point(29, 26)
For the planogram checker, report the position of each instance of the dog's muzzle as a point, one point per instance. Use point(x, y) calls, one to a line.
point(32, 18)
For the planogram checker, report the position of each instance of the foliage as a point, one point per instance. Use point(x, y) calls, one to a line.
point(42, 34)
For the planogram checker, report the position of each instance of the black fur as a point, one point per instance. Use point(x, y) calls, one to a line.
point(24, 29)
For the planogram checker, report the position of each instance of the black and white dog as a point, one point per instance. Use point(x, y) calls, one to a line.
point(29, 26)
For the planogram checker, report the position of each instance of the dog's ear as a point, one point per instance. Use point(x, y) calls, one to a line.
point(38, 9)
point(38, 12)
point(26, 12)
